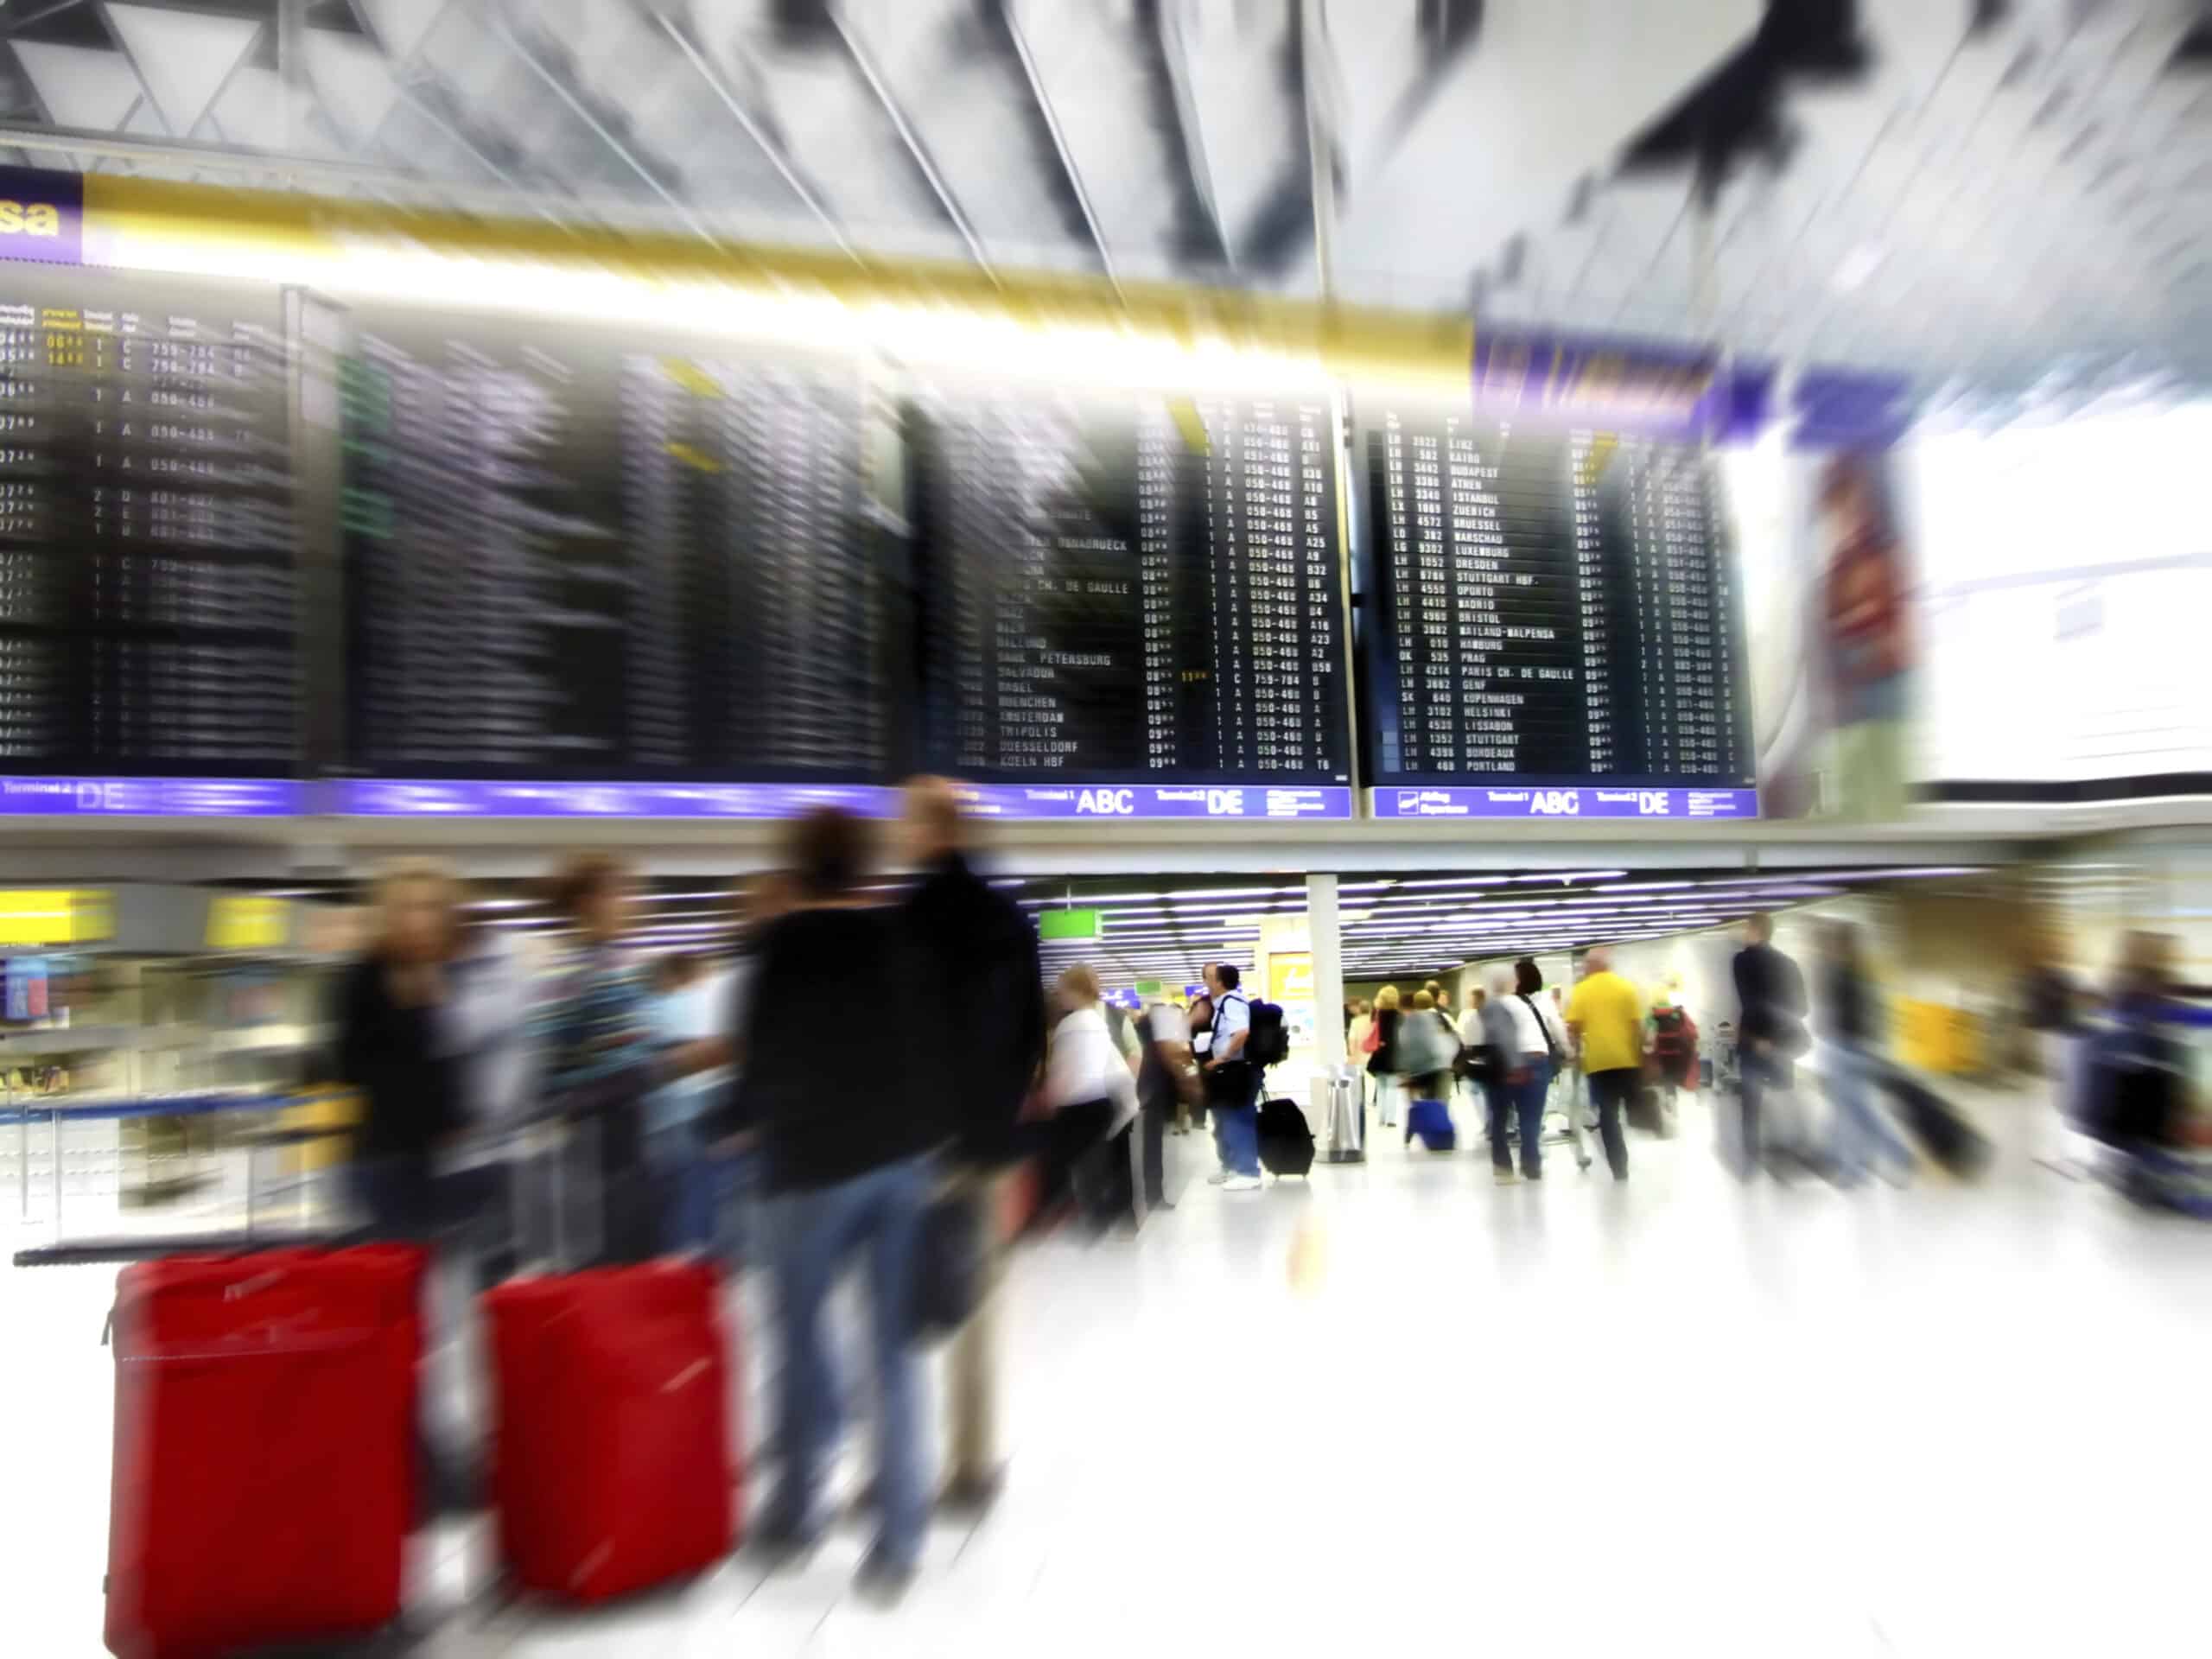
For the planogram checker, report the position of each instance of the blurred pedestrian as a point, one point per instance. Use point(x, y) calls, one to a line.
point(1232, 1083)
point(1476, 1059)
point(2049, 1007)
point(685, 1009)
point(393, 1047)
point(2140, 1065)
point(1503, 1076)
point(1543, 1046)
point(603, 1055)
point(1769, 1026)
point(1167, 1083)
point(979, 1042)
point(1382, 1059)
point(1199, 1018)
point(1851, 1067)
point(1606, 1014)
point(1428, 1056)
point(848, 1173)
point(1091, 1096)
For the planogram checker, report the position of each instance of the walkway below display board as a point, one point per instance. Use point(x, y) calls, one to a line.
point(1719, 1403)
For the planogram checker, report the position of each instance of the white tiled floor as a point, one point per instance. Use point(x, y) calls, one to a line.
point(1401, 1411)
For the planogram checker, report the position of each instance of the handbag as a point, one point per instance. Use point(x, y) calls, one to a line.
point(948, 1265)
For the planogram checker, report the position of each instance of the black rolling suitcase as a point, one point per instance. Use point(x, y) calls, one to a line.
point(1286, 1141)
point(1941, 1130)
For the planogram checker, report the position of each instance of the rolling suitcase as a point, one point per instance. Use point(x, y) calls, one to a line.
point(1286, 1142)
point(264, 1448)
point(612, 1469)
point(1940, 1128)
point(612, 1464)
point(1430, 1122)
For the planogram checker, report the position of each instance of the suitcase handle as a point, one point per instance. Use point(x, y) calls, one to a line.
point(304, 1342)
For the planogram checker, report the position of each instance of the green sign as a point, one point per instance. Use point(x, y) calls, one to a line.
point(1148, 987)
point(1067, 925)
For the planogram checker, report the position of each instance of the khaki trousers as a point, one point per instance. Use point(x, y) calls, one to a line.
point(972, 1359)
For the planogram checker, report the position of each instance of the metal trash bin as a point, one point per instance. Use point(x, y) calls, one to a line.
point(1339, 1107)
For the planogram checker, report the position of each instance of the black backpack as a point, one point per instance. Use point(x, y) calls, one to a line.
point(1266, 1040)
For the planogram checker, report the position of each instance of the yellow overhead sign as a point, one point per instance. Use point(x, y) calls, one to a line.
point(245, 921)
point(57, 915)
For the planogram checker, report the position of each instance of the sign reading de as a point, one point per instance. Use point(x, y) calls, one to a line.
point(41, 216)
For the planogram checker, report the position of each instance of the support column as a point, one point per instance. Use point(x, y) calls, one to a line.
point(1328, 969)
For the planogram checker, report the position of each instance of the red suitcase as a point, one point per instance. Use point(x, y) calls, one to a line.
point(264, 1448)
point(613, 1467)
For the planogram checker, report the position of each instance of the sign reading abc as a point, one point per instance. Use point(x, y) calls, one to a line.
point(1220, 802)
point(41, 216)
point(1581, 802)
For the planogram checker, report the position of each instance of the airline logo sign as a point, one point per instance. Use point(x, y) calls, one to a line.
point(41, 216)
point(1461, 803)
point(1217, 802)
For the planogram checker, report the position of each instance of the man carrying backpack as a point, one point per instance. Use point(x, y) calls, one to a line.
point(1232, 1083)
point(972, 957)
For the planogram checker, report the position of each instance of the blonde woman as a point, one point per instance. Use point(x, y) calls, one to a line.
point(1382, 1063)
point(1092, 1095)
point(392, 1046)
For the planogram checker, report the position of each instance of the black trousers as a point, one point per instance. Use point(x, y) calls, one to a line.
point(1757, 1074)
point(1062, 1144)
point(1611, 1091)
point(1157, 1115)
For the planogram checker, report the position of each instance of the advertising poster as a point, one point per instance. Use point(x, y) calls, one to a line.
point(1831, 575)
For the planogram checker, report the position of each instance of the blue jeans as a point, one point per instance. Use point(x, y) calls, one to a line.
point(685, 1179)
point(1526, 1100)
point(1236, 1136)
point(1237, 1120)
point(878, 1216)
point(1859, 1133)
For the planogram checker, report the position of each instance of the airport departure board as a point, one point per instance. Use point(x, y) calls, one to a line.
point(147, 579)
point(1133, 589)
point(1550, 607)
point(582, 555)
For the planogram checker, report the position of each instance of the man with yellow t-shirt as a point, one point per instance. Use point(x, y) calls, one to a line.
point(1606, 1015)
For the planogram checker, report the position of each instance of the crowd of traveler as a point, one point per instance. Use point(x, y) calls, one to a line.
point(689, 1100)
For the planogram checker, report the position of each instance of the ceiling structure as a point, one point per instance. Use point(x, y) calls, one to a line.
point(2010, 194)
point(1168, 927)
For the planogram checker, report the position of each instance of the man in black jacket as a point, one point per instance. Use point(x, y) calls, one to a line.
point(977, 1041)
point(1771, 1026)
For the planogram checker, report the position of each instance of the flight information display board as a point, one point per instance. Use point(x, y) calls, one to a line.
point(1554, 626)
point(591, 571)
point(148, 589)
point(1132, 605)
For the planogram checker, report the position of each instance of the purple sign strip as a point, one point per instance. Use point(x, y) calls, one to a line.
point(151, 798)
point(1571, 803)
point(41, 216)
point(1646, 387)
point(420, 798)
point(1219, 801)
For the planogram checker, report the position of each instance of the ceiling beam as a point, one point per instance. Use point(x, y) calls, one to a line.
point(768, 144)
point(1167, 52)
point(909, 137)
point(569, 96)
point(1000, 13)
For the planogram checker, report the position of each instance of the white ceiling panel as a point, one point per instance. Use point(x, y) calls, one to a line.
point(1975, 191)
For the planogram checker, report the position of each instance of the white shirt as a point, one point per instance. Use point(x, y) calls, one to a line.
point(487, 1026)
point(1533, 1020)
point(1231, 1015)
point(1471, 1028)
point(1168, 1024)
point(1083, 1064)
